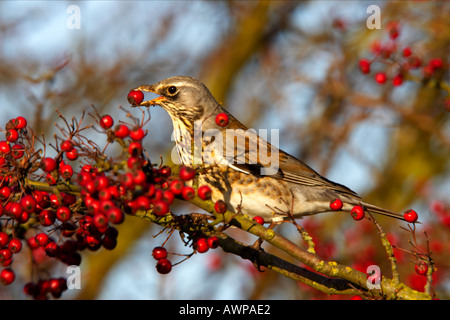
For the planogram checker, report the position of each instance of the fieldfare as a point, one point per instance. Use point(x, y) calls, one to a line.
point(251, 175)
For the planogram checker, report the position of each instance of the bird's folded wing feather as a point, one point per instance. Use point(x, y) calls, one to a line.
point(248, 160)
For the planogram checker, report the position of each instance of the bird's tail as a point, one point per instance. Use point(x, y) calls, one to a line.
point(378, 210)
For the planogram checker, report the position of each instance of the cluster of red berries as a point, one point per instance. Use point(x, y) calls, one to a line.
point(405, 61)
point(56, 224)
point(358, 212)
point(39, 290)
point(60, 225)
point(201, 245)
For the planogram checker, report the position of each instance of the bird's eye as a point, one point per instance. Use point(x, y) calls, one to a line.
point(172, 89)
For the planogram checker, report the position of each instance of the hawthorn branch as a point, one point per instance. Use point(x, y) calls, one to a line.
point(330, 277)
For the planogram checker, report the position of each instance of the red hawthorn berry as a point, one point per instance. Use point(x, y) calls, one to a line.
point(5, 255)
point(121, 131)
point(42, 239)
point(101, 182)
point(90, 187)
point(407, 52)
point(72, 154)
point(57, 286)
point(168, 196)
point(186, 173)
point(63, 213)
point(20, 123)
point(380, 77)
point(135, 148)
point(222, 119)
point(126, 181)
point(421, 268)
point(106, 121)
point(83, 177)
point(130, 207)
point(7, 276)
point(258, 220)
point(51, 180)
point(104, 194)
point(139, 178)
point(4, 239)
point(176, 187)
point(4, 147)
point(48, 164)
point(32, 243)
point(15, 245)
point(14, 209)
point(142, 203)
point(54, 201)
point(100, 222)
point(364, 65)
point(213, 242)
point(159, 253)
point(397, 80)
point(135, 97)
point(23, 217)
point(93, 242)
point(138, 134)
point(160, 208)
point(93, 206)
point(5, 192)
point(188, 193)
point(28, 203)
point(204, 192)
point(109, 243)
point(134, 162)
point(30, 289)
point(165, 171)
point(393, 30)
point(410, 216)
point(87, 168)
point(356, 298)
point(66, 171)
point(336, 204)
point(52, 249)
point(220, 206)
point(115, 215)
point(436, 63)
point(47, 217)
point(163, 266)
point(7, 263)
point(17, 151)
point(12, 135)
point(201, 245)
point(357, 212)
point(113, 191)
point(67, 145)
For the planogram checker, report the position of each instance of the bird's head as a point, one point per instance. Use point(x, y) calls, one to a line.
point(186, 99)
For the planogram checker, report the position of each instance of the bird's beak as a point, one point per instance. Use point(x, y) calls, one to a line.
point(152, 102)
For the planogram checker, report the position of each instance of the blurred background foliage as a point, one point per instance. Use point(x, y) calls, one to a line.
point(287, 65)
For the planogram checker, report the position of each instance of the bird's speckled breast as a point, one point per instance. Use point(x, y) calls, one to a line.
point(248, 194)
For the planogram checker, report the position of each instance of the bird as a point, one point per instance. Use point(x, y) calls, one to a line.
point(252, 176)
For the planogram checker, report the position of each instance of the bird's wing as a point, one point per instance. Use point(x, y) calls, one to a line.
point(256, 156)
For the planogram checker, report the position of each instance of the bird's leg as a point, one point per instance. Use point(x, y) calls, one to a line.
point(258, 243)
